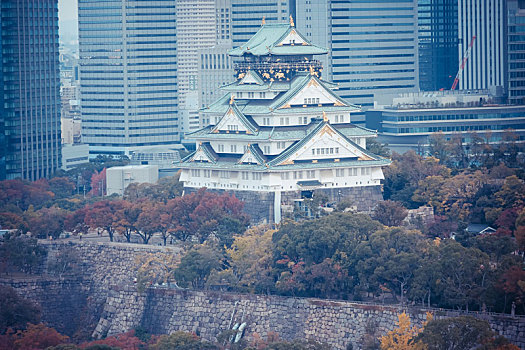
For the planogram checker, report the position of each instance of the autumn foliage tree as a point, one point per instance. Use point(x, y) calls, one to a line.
point(402, 337)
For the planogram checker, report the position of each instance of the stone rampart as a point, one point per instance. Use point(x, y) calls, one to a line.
point(104, 296)
point(337, 323)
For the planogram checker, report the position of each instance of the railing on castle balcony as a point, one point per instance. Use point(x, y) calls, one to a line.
point(279, 65)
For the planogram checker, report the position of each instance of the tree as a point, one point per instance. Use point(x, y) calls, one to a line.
point(388, 259)
point(196, 265)
point(512, 193)
point(48, 222)
point(98, 183)
point(464, 273)
point(104, 214)
point(377, 148)
point(21, 253)
point(156, 268)
point(62, 187)
point(126, 340)
point(15, 311)
point(181, 341)
point(402, 337)
point(251, 259)
point(390, 213)
point(38, 336)
point(149, 221)
point(456, 333)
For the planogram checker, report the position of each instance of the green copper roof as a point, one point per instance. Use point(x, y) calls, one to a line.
point(267, 41)
point(297, 146)
point(266, 106)
point(232, 164)
point(248, 123)
point(251, 78)
point(279, 133)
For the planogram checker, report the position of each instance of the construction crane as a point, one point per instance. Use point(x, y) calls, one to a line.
point(466, 55)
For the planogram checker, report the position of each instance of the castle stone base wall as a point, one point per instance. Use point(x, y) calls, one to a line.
point(260, 205)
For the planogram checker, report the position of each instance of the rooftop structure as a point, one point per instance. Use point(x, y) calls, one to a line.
point(408, 121)
point(280, 133)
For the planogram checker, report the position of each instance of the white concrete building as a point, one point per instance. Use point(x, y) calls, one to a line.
point(119, 178)
point(74, 154)
point(128, 74)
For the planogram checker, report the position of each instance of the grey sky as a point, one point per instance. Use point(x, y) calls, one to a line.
point(68, 20)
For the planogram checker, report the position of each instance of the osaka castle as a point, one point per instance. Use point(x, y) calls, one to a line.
point(281, 133)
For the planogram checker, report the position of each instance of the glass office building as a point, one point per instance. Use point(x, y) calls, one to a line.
point(438, 43)
point(30, 141)
point(374, 49)
point(128, 74)
point(516, 51)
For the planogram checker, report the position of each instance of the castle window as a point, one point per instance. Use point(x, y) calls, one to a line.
point(245, 175)
point(221, 148)
point(281, 144)
point(233, 148)
point(285, 176)
point(195, 172)
point(310, 174)
point(339, 172)
point(352, 172)
point(207, 173)
point(251, 94)
point(297, 175)
point(233, 127)
point(365, 171)
point(223, 174)
point(266, 149)
point(256, 176)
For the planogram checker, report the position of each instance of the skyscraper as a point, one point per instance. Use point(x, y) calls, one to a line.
point(438, 43)
point(247, 16)
point(484, 19)
point(516, 51)
point(374, 49)
point(128, 74)
point(29, 89)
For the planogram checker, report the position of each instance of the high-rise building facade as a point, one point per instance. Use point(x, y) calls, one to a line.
point(247, 16)
point(313, 19)
point(438, 43)
point(128, 74)
point(484, 19)
point(516, 51)
point(374, 49)
point(29, 89)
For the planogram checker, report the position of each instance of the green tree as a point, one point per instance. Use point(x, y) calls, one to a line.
point(456, 333)
point(21, 253)
point(196, 265)
point(251, 259)
point(390, 213)
point(181, 341)
point(15, 311)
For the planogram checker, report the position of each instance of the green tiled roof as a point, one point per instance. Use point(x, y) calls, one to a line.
point(279, 133)
point(263, 106)
point(232, 164)
point(254, 75)
point(297, 146)
point(265, 42)
point(248, 124)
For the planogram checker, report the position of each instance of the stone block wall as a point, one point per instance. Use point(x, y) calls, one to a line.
point(337, 323)
point(102, 300)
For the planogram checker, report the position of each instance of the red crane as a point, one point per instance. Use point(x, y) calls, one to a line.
point(466, 55)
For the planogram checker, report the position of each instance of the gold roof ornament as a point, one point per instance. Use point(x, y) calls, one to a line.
point(264, 20)
point(325, 118)
point(312, 70)
point(291, 21)
point(232, 99)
